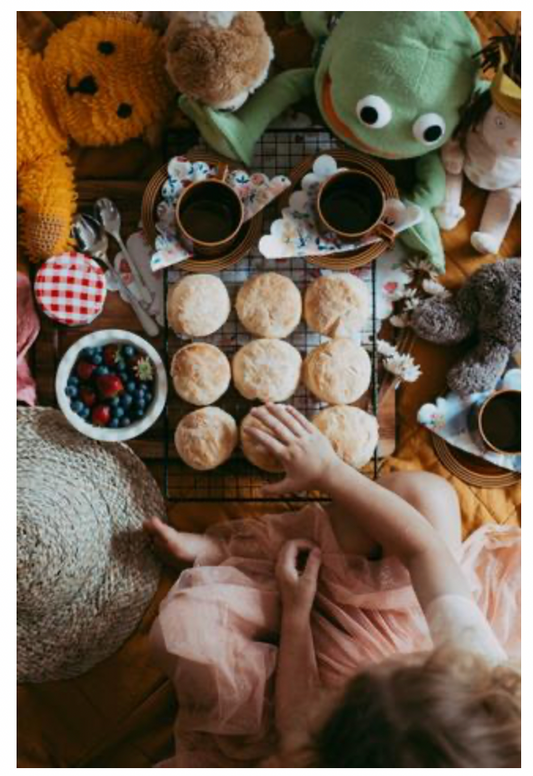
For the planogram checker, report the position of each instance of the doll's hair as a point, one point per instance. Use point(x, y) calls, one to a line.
point(474, 113)
point(508, 45)
point(449, 709)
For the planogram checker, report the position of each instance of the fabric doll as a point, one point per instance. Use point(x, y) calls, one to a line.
point(487, 149)
point(388, 84)
point(100, 81)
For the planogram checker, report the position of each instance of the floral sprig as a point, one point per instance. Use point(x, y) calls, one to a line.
point(401, 365)
point(411, 297)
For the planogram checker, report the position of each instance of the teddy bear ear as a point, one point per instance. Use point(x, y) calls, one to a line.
point(35, 28)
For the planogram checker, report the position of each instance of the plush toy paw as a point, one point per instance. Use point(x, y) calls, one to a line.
point(448, 216)
point(480, 370)
point(484, 242)
point(217, 129)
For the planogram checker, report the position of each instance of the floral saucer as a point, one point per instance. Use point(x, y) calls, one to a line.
point(296, 234)
point(256, 191)
point(448, 419)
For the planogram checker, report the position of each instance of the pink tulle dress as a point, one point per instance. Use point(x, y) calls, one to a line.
point(217, 632)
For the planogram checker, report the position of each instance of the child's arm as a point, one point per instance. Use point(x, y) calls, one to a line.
point(297, 674)
point(310, 463)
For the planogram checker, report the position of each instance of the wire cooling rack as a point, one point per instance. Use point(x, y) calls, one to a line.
point(238, 480)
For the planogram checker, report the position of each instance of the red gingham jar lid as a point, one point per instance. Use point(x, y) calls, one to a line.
point(71, 289)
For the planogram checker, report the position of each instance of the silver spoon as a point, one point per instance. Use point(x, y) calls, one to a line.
point(108, 214)
point(92, 239)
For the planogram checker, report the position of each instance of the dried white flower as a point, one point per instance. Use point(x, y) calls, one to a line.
point(399, 321)
point(416, 265)
point(385, 348)
point(434, 288)
point(404, 367)
point(412, 304)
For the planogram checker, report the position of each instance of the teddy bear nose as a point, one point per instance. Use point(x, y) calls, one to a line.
point(87, 85)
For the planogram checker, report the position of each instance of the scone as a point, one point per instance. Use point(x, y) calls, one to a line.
point(352, 432)
point(206, 438)
point(198, 305)
point(269, 305)
point(201, 373)
point(337, 305)
point(267, 369)
point(337, 372)
point(254, 451)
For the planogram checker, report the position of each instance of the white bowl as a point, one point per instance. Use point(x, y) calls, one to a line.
point(100, 339)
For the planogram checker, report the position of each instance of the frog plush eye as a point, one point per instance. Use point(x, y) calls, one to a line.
point(429, 128)
point(373, 112)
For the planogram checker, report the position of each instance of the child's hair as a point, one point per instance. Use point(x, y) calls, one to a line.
point(449, 709)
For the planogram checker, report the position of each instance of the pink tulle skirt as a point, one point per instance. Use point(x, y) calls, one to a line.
point(217, 632)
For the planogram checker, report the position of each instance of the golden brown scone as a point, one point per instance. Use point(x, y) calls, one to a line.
point(198, 305)
point(206, 438)
point(201, 373)
point(269, 305)
point(337, 305)
point(337, 372)
point(254, 451)
point(352, 432)
point(267, 369)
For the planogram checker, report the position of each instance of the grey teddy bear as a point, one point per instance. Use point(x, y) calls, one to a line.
point(489, 306)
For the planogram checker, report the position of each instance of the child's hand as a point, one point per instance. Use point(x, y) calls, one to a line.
point(298, 587)
point(306, 455)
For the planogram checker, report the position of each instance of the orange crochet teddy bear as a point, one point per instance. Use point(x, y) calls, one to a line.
point(100, 81)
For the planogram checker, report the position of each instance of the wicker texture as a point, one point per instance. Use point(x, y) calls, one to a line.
point(85, 573)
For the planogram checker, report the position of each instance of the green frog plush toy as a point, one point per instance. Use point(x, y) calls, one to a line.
point(389, 84)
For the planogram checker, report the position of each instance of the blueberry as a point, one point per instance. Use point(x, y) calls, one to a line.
point(102, 370)
point(139, 412)
point(131, 387)
point(77, 407)
point(85, 413)
point(120, 364)
point(126, 400)
point(118, 412)
point(139, 395)
point(73, 380)
point(97, 359)
point(148, 397)
point(115, 401)
point(114, 423)
point(129, 351)
point(71, 391)
point(87, 353)
point(125, 422)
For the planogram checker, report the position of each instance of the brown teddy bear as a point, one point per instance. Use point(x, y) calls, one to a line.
point(218, 58)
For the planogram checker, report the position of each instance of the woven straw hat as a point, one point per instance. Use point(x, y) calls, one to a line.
point(85, 573)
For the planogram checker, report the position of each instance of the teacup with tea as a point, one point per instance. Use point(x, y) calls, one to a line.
point(350, 205)
point(209, 215)
point(496, 423)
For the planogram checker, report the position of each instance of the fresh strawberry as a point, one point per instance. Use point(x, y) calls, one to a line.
point(109, 386)
point(87, 396)
point(84, 370)
point(101, 415)
point(112, 355)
